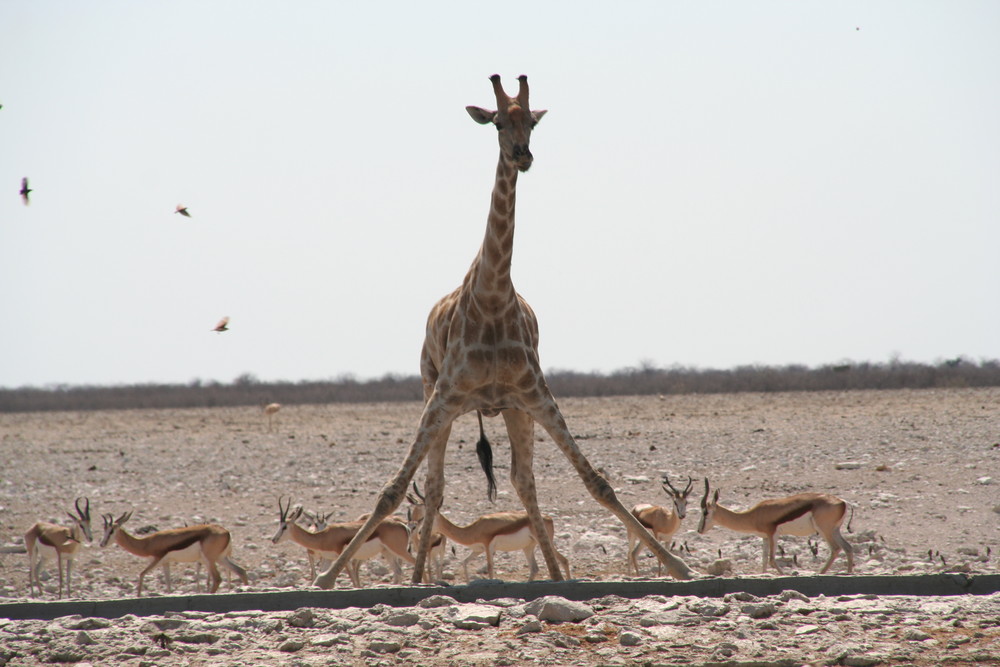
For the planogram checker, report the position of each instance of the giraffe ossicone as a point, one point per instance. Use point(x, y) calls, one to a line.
point(480, 353)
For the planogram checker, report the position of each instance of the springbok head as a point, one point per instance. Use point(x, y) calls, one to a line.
point(679, 497)
point(287, 515)
point(514, 121)
point(111, 525)
point(82, 518)
point(708, 510)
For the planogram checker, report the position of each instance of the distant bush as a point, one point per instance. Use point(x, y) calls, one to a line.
point(646, 379)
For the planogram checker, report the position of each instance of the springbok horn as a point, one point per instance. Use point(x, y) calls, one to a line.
point(666, 481)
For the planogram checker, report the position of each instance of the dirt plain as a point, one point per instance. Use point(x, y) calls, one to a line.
point(920, 468)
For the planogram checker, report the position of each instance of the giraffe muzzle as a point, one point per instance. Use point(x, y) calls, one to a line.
point(523, 158)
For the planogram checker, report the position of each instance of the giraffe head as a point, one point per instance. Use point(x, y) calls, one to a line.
point(514, 121)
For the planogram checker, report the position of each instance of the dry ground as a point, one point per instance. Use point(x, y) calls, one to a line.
point(924, 490)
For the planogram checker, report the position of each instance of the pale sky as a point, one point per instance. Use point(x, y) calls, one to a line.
point(716, 184)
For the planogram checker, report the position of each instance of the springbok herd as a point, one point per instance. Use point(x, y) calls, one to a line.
point(802, 514)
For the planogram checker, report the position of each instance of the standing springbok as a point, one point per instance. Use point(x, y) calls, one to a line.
point(389, 539)
point(208, 543)
point(315, 523)
point(500, 531)
point(270, 410)
point(49, 541)
point(802, 515)
point(662, 522)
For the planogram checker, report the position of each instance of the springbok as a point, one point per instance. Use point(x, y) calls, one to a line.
point(49, 541)
point(270, 410)
point(500, 531)
point(801, 515)
point(315, 523)
point(662, 522)
point(390, 539)
point(207, 543)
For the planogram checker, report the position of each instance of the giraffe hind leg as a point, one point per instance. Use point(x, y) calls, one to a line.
point(546, 413)
point(520, 429)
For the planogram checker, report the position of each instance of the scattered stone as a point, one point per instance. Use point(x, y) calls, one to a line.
point(787, 595)
point(531, 624)
point(629, 638)
point(327, 640)
point(474, 616)
point(719, 567)
point(384, 645)
point(555, 609)
point(848, 465)
point(401, 619)
point(79, 623)
point(196, 637)
point(83, 638)
point(437, 601)
point(806, 629)
point(914, 635)
point(867, 660)
point(708, 607)
point(291, 646)
point(302, 618)
point(762, 610)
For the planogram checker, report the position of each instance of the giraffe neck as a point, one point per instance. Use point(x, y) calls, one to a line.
point(489, 277)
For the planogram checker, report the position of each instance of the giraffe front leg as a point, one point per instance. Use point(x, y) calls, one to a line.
point(520, 430)
point(436, 416)
point(547, 414)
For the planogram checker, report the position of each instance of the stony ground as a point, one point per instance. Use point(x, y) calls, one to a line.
point(920, 468)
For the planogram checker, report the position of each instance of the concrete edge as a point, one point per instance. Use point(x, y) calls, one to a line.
point(943, 584)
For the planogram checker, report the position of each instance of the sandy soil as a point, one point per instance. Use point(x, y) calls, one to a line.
point(923, 474)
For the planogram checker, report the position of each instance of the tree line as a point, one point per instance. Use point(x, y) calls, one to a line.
point(642, 380)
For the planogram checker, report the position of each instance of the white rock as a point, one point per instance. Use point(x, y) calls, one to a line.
point(474, 616)
point(847, 465)
point(437, 601)
point(556, 609)
point(806, 629)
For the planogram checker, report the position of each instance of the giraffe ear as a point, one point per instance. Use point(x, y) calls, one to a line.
point(537, 115)
point(481, 116)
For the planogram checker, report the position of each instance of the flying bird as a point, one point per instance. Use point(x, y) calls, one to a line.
point(24, 191)
point(223, 324)
point(183, 210)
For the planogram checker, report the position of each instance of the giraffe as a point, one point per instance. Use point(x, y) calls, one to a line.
point(481, 353)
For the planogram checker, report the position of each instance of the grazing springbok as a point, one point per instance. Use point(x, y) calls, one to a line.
point(49, 541)
point(662, 522)
point(801, 515)
point(206, 543)
point(500, 531)
point(390, 539)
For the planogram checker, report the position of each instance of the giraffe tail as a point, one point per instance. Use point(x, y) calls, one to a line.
point(485, 453)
